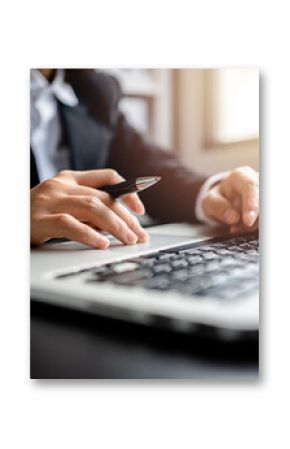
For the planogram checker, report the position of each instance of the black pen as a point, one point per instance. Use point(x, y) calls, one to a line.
point(130, 186)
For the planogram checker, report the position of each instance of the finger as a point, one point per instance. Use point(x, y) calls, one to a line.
point(131, 221)
point(250, 204)
point(244, 182)
point(134, 203)
point(216, 206)
point(131, 200)
point(97, 178)
point(91, 180)
point(242, 229)
point(117, 208)
point(93, 210)
point(64, 225)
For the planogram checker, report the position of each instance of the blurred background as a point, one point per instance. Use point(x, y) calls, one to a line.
point(208, 117)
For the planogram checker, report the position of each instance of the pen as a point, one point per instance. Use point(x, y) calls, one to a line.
point(130, 186)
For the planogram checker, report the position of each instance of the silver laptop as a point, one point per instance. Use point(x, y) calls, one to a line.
point(188, 278)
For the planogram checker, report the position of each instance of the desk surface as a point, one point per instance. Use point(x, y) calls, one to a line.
point(68, 344)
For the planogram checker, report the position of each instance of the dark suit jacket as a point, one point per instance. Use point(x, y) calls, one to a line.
point(99, 136)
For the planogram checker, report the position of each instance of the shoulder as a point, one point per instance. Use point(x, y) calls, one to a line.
point(98, 91)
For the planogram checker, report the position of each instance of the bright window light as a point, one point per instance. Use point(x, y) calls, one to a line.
point(235, 105)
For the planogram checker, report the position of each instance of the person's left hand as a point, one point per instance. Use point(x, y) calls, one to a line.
point(235, 200)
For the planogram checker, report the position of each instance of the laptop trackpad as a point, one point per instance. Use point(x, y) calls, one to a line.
point(54, 256)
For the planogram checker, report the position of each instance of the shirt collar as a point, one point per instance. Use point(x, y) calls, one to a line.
point(59, 87)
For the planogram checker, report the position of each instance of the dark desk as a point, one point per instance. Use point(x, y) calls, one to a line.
point(67, 344)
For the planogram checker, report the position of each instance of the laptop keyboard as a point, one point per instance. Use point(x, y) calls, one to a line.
point(224, 269)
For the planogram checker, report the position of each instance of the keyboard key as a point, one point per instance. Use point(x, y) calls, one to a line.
point(144, 261)
point(191, 288)
point(247, 257)
point(165, 256)
point(210, 256)
point(179, 263)
point(192, 260)
point(206, 248)
point(194, 251)
point(222, 251)
point(245, 245)
point(122, 267)
point(196, 270)
point(130, 277)
point(220, 245)
point(234, 248)
point(252, 252)
point(228, 261)
point(212, 266)
point(164, 268)
point(181, 275)
point(158, 283)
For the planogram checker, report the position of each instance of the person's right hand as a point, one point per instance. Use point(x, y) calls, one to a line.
point(69, 205)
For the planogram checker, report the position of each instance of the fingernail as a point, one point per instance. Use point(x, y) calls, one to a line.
point(250, 217)
point(231, 216)
point(131, 237)
point(143, 235)
point(101, 243)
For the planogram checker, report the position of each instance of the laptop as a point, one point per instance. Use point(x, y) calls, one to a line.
point(186, 278)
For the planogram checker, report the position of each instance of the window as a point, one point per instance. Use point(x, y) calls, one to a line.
point(231, 106)
point(217, 118)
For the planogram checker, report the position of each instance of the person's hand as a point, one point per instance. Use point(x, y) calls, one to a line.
point(235, 200)
point(68, 205)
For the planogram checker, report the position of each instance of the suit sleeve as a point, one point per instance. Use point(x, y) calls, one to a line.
point(174, 197)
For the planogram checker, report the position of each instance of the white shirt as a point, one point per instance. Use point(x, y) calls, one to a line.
point(45, 127)
point(46, 132)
